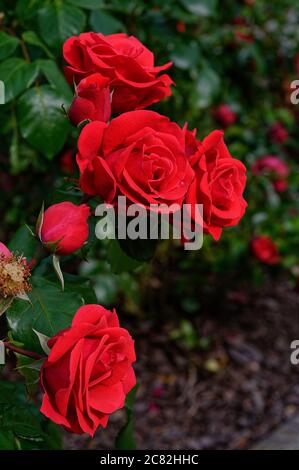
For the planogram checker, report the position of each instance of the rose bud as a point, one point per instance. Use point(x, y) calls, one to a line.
point(225, 115)
point(278, 133)
point(64, 227)
point(92, 100)
point(88, 372)
point(14, 274)
point(265, 250)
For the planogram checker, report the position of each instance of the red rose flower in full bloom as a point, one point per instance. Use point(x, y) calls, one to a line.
point(265, 250)
point(219, 185)
point(278, 133)
point(125, 61)
point(141, 155)
point(64, 228)
point(225, 115)
point(88, 372)
point(274, 165)
point(92, 100)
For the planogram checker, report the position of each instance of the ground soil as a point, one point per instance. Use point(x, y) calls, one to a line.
point(226, 397)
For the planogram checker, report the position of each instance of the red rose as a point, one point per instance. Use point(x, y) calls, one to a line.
point(280, 185)
point(276, 167)
point(297, 64)
point(128, 64)
point(270, 163)
point(92, 100)
point(181, 27)
point(88, 372)
point(218, 185)
point(278, 133)
point(65, 226)
point(265, 250)
point(225, 115)
point(67, 163)
point(141, 155)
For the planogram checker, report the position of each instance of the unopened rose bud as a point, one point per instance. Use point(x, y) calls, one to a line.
point(64, 227)
point(92, 101)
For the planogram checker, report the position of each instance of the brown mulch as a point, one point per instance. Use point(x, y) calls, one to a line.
point(226, 397)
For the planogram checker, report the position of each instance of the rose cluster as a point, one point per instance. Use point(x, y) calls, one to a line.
point(141, 154)
point(144, 156)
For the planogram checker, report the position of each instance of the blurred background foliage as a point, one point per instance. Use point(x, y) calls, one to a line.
point(240, 54)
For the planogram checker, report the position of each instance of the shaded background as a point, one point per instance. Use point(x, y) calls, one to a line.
point(213, 328)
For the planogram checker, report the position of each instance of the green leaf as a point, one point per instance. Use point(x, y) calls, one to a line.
point(41, 120)
point(130, 399)
point(125, 439)
point(88, 4)
point(17, 75)
point(22, 426)
point(23, 242)
point(206, 88)
point(50, 312)
point(57, 268)
point(30, 370)
point(56, 79)
point(4, 304)
point(200, 7)
point(140, 250)
point(26, 10)
point(6, 440)
point(102, 22)
point(32, 38)
point(119, 260)
point(58, 21)
point(8, 45)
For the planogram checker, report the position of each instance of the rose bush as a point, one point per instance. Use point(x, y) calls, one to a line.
point(223, 65)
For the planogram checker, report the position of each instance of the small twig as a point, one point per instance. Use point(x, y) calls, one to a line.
point(22, 351)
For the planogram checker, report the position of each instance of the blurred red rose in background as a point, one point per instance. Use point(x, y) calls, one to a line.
point(265, 250)
point(276, 167)
point(278, 133)
point(225, 115)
